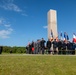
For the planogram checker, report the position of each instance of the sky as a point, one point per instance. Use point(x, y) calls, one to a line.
point(22, 21)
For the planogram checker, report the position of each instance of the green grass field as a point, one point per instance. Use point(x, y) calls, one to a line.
point(20, 64)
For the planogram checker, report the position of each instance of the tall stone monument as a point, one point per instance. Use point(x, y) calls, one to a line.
point(52, 24)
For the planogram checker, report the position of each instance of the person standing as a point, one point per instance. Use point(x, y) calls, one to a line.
point(55, 45)
point(1, 48)
point(43, 45)
point(35, 46)
point(27, 49)
point(30, 48)
point(48, 45)
point(59, 47)
point(64, 45)
point(39, 46)
point(32, 45)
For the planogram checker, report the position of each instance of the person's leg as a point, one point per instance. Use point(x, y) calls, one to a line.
point(42, 50)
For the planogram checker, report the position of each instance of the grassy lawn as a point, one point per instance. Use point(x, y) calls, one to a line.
point(37, 65)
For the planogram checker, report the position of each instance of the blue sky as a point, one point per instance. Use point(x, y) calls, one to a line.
point(22, 21)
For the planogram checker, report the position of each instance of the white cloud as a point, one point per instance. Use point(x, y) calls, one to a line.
point(7, 25)
point(1, 21)
point(7, 1)
point(10, 0)
point(24, 14)
point(12, 7)
point(9, 5)
point(5, 29)
point(5, 33)
point(10, 29)
point(44, 27)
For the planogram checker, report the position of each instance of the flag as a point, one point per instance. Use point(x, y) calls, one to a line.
point(51, 34)
point(65, 37)
point(74, 37)
point(61, 35)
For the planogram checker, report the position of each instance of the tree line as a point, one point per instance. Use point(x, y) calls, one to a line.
point(15, 49)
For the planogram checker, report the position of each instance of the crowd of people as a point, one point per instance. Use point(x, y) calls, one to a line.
point(52, 46)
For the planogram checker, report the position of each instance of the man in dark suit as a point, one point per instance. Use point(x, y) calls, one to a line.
point(55, 45)
point(43, 45)
point(48, 45)
point(64, 44)
point(59, 47)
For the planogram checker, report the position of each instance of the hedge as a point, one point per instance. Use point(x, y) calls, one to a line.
point(15, 49)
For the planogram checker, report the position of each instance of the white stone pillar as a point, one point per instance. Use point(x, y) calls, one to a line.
point(52, 23)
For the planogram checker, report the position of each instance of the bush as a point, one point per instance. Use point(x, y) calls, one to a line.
point(8, 49)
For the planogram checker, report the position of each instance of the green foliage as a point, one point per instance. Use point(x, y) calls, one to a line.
point(8, 49)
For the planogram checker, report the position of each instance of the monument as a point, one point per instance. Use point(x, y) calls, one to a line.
point(52, 24)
